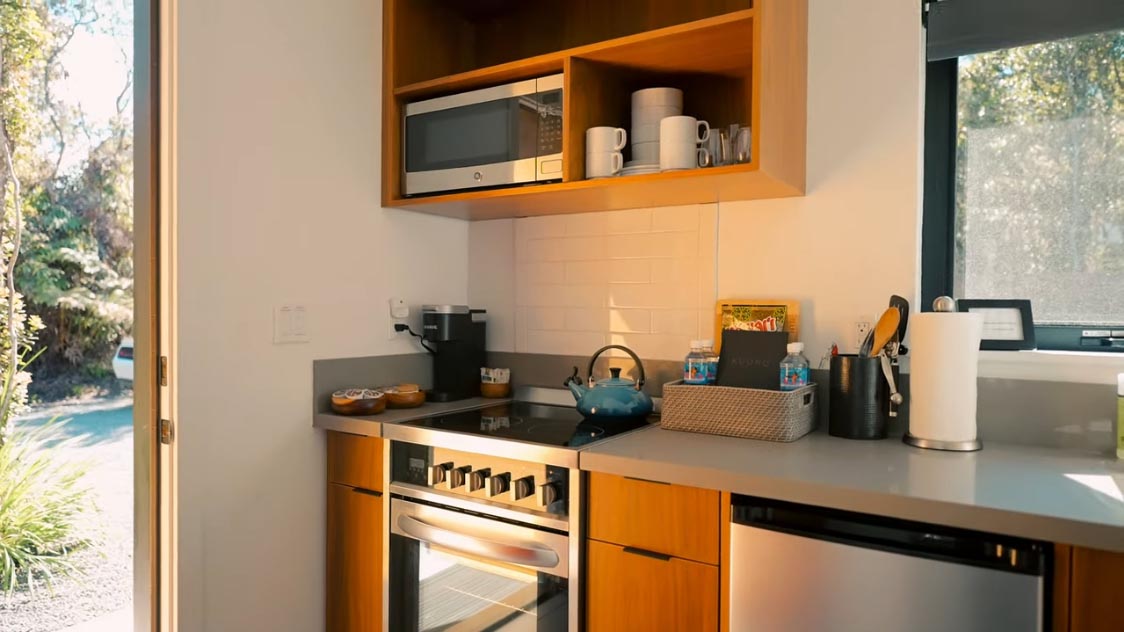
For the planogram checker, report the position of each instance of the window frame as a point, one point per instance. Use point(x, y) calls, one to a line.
point(938, 225)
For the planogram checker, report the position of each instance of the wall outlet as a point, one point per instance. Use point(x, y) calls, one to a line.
point(399, 312)
point(862, 328)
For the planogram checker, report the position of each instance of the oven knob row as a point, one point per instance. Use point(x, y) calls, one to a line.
point(498, 484)
point(457, 476)
point(523, 488)
point(437, 473)
point(477, 478)
point(547, 494)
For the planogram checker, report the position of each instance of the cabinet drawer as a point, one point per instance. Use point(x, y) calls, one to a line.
point(355, 460)
point(634, 591)
point(669, 519)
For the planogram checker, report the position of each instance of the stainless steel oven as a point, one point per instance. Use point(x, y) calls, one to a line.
point(505, 135)
point(486, 518)
point(452, 570)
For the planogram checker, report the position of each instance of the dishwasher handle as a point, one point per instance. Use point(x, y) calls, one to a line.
point(891, 534)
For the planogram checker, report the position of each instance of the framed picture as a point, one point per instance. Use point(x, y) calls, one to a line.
point(1008, 324)
point(732, 314)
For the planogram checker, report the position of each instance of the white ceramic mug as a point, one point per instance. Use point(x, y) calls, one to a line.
point(602, 164)
point(680, 128)
point(682, 154)
point(605, 139)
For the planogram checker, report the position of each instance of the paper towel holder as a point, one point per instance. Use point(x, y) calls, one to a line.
point(951, 446)
point(943, 304)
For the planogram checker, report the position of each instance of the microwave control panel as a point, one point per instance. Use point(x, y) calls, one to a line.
point(550, 122)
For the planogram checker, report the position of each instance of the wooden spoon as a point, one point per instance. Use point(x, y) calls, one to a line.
point(885, 330)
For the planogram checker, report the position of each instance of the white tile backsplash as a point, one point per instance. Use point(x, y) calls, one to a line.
point(643, 278)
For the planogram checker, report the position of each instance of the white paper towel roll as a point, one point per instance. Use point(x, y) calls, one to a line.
point(944, 359)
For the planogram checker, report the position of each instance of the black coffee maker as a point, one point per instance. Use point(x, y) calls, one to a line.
point(454, 336)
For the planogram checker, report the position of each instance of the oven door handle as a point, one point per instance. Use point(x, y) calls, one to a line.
point(464, 543)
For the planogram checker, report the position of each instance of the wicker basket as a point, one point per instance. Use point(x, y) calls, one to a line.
point(748, 413)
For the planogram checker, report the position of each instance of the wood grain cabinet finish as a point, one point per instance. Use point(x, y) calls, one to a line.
point(355, 460)
point(739, 61)
point(635, 591)
point(1088, 590)
point(668, 519)
point(354, 560)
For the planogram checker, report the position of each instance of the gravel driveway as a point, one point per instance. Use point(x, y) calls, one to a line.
point(106, 579)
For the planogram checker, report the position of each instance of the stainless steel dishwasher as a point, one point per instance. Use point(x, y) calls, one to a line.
point(800, 568)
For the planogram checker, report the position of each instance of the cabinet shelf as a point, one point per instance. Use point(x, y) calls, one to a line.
point(696, 186)
point(720, 45)
point(712, 49)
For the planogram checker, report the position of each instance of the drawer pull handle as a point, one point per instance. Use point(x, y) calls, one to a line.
point(645, 480)
point(368, 492)
point(645, 553)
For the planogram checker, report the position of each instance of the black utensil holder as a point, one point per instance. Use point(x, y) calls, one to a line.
point(858, 398)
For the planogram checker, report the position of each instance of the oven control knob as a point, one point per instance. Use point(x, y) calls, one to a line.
point(477, 478)
point(548, 494)
point(477, 176)
point(437, 473)
point(498, 484)
point(457, 476)
point(523, 488)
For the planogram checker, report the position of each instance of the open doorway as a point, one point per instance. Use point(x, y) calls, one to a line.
point(67, 315)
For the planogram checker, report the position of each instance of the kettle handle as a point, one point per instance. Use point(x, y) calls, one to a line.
point(639, 365)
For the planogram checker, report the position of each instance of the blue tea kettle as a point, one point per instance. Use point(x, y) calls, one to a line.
point(613, 396)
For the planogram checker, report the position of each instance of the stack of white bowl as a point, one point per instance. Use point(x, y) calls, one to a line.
point(649, 107)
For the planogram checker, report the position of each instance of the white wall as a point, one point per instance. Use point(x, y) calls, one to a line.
point(853, 239)
point(278, 202)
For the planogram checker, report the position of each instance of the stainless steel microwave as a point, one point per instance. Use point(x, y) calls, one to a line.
point(506, 135)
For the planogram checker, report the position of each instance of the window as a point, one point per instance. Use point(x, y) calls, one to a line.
point(1024, 183)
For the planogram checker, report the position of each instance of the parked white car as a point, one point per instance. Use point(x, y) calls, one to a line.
point(123, 360)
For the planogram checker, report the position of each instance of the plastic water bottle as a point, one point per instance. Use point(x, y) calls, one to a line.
point(695, 366)
point(794, 368)
point(711, 362)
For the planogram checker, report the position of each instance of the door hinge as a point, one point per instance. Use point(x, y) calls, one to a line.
point(163, 370)
point(167, 431)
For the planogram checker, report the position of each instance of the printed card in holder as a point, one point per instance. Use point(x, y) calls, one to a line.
point(751, 359)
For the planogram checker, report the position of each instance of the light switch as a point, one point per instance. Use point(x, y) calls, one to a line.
point(290, 324)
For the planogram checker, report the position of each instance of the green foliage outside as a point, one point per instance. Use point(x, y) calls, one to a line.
point(1040, 177)
point(43, 501)
point(65, 255)
point(75, 261)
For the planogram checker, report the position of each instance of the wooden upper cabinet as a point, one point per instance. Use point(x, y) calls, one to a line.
point(630, 590)
point(737, 61)
point(355, 460)
point(656, 517)
point(354, 560)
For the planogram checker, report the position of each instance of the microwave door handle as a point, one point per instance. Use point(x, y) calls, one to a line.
point(465, 543)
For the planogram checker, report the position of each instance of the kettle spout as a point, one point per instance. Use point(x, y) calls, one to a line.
point(574, 383)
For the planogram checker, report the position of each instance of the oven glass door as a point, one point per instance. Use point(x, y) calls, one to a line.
point(494, 132)
point(453, 571)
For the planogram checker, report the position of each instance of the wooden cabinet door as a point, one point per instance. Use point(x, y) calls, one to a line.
point(627, 590)
point(1096, 590)
point(354, 558)
point(670, 519)
point(355, 460)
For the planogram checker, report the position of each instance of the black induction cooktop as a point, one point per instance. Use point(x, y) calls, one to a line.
point(560, 426)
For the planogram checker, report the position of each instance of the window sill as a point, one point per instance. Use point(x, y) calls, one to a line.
point(1052, 366)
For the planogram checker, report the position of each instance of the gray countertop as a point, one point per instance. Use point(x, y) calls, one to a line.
point(1038, 493)
point(371, 425)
